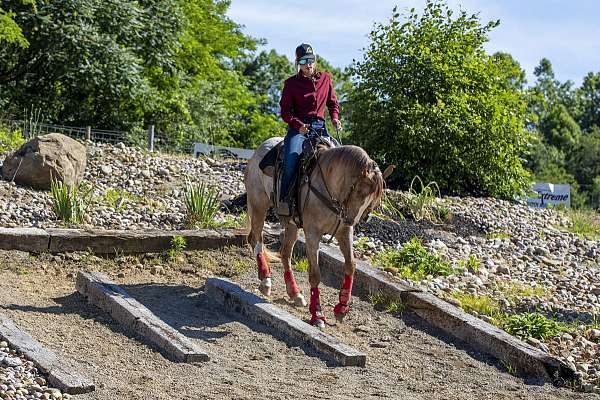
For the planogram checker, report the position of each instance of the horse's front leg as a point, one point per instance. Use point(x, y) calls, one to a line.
point(344, 238)
point(314, 276)
point(289, 239)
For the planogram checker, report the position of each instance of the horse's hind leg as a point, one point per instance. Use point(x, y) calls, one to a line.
point(287, 246)
point(257, 214)
point(344, 238)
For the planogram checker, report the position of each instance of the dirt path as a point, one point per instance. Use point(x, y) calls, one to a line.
point(403, 360)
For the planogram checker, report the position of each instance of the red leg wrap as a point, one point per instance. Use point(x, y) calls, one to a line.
point(263, 266)
point(290, 284)
point(315, 306)
point(345, 295)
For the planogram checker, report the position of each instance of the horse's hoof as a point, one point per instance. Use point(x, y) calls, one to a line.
point(299, 300)
point(319, 324)
point(340, 317)
point(265, 287)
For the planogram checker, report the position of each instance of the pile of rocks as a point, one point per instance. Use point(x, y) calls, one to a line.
point(19, 379)
point(149, 190)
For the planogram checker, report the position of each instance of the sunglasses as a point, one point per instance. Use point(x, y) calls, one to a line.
point(306, 61)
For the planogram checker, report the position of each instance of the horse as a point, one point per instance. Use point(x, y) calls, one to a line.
point(345, 185)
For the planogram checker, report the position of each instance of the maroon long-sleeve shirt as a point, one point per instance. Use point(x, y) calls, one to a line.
point(304, 97)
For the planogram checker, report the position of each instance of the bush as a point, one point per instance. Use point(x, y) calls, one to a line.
point(413, 261)
point(532, 325)
point(69, 203)
point(202, 204)
point(10, 140)
point(430, 100)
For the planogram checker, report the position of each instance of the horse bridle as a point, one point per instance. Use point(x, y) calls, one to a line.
point(340, 209)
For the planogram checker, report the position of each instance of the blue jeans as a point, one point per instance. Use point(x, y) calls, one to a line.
point(292, 149)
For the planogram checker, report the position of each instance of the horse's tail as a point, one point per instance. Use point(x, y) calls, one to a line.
point(252, 240)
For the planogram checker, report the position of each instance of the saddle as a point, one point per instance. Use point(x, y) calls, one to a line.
point(272, 165)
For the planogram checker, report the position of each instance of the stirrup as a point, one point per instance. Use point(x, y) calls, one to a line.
point(283, 209)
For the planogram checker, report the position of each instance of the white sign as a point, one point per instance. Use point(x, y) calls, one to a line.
point(550, 194)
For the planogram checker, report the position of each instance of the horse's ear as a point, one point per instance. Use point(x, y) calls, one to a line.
point(388, 171)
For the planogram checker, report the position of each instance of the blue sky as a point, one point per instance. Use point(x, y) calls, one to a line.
point(566, 32)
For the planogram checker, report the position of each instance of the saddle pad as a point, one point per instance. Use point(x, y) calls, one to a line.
point(270, 158)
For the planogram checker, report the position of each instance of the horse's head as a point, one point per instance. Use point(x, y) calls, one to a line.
point(365, 194)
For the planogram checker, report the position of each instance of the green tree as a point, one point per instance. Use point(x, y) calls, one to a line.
point(584, 160)
point(429, 99)
point(10, 32)
point(589, 101)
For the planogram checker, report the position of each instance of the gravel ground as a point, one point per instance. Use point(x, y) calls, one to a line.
point(528, 261)
point(405, 359)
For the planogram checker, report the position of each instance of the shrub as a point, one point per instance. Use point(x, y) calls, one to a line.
point(430, 100)
point(178, 244)
point(533, 325)
point(202, 204)
point(10, 140)
point(413, 261)
point(69, 203)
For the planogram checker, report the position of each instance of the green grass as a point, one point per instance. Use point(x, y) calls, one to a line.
point(177, 246)
point(413, 261)
point(234, 221)
point(583, 223)
point(483, 305)
point(300, 265)
point(361, 243)
point(202, 204)
point(498, 235)
point(387, 302)
point(69, 203)
point(10, 140)
point(514, 291)
point(472, 264)
point(115, 198)
point(533, 325)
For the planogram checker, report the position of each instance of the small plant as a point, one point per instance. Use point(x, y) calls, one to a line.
point(413, 261)
point(69, 203)
point(472, 264)
point(533, 325)
point(202, 203)
point(443, 212)
point(10, 139)
point(115, 198)
point(483, 305)
point(514, 291)
point(583, 224)
point(420, 204)
point(237, 221)
point(498, 235)
point(301, 265)
point(387, 302)
point(361, 243)
point(509, 368)
point(177, 246)
point(388, 208)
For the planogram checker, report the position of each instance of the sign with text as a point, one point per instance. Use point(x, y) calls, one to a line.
point(550, 194)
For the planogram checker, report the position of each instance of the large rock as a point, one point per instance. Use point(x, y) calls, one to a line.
point(53, 155)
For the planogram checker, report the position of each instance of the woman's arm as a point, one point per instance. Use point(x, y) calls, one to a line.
point(287, 108)
point(332, 102)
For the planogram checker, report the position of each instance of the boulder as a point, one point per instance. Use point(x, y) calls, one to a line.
point(53, 155)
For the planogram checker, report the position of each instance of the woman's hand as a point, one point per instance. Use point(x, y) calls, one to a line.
point(337, 124)
point(304, 129)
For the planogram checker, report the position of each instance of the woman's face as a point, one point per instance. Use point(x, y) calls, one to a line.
point(308, 69)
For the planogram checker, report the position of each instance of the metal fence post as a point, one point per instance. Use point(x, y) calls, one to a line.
point(88, 133)
point(151, 138)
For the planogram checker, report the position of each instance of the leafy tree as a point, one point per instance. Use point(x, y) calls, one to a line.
point(584, 161)
point(10, 32)
point(429, 99)
point(589, 101)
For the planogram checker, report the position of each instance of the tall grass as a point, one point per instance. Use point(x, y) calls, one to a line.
point(413, 261)
point(202, 204)
point(69, 203)
point(585, 223)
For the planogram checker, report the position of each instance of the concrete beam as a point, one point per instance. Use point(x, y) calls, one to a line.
point(33, 240)
point(134, 316)
point(236, 299)
point(479, 334)
point(59, 371)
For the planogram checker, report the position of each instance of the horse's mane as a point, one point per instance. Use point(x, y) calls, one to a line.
point(355, 162)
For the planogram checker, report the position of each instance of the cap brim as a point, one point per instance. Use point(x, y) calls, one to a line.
point(309, 58)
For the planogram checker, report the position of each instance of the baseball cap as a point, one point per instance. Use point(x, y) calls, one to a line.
point(305, 52)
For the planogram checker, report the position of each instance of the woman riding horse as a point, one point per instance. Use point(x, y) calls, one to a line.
point(303, 101)
point(344, 187)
